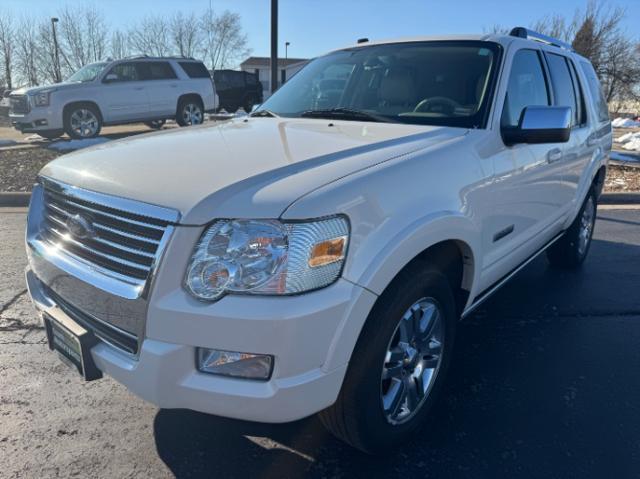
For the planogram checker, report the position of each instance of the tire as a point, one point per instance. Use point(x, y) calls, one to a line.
point(190, 112)
point(82, 121)
point(358, 416)
point(572, 248)
point(51, 134)
point(155, 124)
point(248, 104)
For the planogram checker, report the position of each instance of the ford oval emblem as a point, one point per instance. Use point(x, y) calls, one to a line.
point(79, 226)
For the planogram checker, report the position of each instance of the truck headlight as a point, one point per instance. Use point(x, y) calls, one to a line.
point(42, 98)
point(267, 257)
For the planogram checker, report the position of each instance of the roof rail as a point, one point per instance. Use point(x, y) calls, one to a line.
point(522, 32)
point(167, 57)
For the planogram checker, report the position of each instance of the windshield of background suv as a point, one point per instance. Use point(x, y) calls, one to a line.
point(431, 83)
point(87, 72)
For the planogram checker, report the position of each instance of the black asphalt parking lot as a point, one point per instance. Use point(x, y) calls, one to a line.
point(545, 383)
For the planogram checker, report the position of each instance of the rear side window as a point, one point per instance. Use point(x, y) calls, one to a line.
point(527, 86)
point(602, 109)
point(195, 69)
point(564, 94)
point(160, 71)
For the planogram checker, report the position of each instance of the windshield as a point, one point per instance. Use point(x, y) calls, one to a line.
point(431, 83)
point(87, 73)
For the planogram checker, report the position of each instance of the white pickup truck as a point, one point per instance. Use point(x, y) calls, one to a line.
point(316, 256)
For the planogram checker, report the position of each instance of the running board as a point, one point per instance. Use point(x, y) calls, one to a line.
point(487, 293)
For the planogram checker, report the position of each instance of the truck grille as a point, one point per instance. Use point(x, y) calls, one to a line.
point(19, 104)
point(122, 243)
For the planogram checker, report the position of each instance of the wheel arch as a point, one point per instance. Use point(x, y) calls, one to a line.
point(192, 95)
point(73, 103)
point(454, 254)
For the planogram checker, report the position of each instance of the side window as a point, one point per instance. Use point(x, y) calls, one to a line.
point(160, 71)
point(195, 69)
point(581, 116)
point(527, 86)
point(564, 94)
point(602, 109)
point(125, 72)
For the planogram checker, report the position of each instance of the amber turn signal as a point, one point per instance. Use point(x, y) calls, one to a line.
point(328, 251)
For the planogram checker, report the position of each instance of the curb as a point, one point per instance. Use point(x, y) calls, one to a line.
point(14, 198)
point(620, 198)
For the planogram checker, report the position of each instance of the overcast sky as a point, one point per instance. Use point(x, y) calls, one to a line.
point(316, 26)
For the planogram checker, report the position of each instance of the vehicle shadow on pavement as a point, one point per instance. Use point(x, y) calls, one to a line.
point(543, 384)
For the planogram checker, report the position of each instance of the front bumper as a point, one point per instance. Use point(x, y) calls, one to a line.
point(303, 333)
point(38, 119)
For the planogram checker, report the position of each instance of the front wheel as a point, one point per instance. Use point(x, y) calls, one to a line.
point(572, 248)
point(399, 363)
point(82, 121)
point(190, 112)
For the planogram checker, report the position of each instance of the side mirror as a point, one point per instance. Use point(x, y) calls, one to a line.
point(111, 77)
point(540, 124)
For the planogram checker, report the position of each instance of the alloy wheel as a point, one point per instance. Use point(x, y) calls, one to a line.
point(412, 361)
point(192, 114)
point(84, 123)
point(586, 225)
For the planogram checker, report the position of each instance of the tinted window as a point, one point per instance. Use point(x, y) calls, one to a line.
point(160, 71)
point(581, 114)
point(195, 69)
point(527, 86)
point(564, 95)
point(428, 83)
point(126, 72)
point(596, 91)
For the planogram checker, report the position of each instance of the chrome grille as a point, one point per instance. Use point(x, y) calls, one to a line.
point(19, 104)
point(122, 243)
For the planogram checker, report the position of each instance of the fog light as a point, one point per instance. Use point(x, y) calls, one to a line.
point(234, 364)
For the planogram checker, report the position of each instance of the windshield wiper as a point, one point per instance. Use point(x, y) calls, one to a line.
point(345, 114)
point(264, 113)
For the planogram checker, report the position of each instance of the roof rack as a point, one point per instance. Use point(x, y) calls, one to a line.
point(522, 32)
point(168, 57)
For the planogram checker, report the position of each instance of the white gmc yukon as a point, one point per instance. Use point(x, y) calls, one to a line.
point(316, 256)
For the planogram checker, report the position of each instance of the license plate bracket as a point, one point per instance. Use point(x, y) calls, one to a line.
point(73, 343)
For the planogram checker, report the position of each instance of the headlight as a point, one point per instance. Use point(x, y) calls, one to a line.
point(267, 257)
point(42, 98)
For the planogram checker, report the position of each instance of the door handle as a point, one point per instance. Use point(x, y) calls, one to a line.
point(138, 88)
point(173, 85)
point(554, 155)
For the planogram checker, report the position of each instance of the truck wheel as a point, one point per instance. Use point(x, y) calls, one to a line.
point(82, 121)
point(399, 364)
point(571, 249)
point(155, 124)
point(51, 134)
point(190, 112)
point(248, 104)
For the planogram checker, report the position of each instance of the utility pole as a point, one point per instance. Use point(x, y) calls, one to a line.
point(56, 66)
point(286, 50)
point(274, 46)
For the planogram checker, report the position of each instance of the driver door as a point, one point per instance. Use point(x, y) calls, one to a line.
point(124, 94)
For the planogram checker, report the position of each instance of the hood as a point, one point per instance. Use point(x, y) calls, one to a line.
point(37, 89)
point(251, 168)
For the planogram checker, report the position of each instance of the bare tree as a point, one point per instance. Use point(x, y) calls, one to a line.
point(7, 40)
point(119, 45)
point(151, 37)
point(225, 42)
point(83, 36)
point(45, 54)
point(26, 50)
point(186, 35)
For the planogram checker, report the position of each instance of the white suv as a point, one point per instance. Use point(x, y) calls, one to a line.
point(316, 255)
point(141, 89)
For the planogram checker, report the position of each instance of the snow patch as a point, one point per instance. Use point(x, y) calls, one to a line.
point(625, 123)
point(68, 145)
